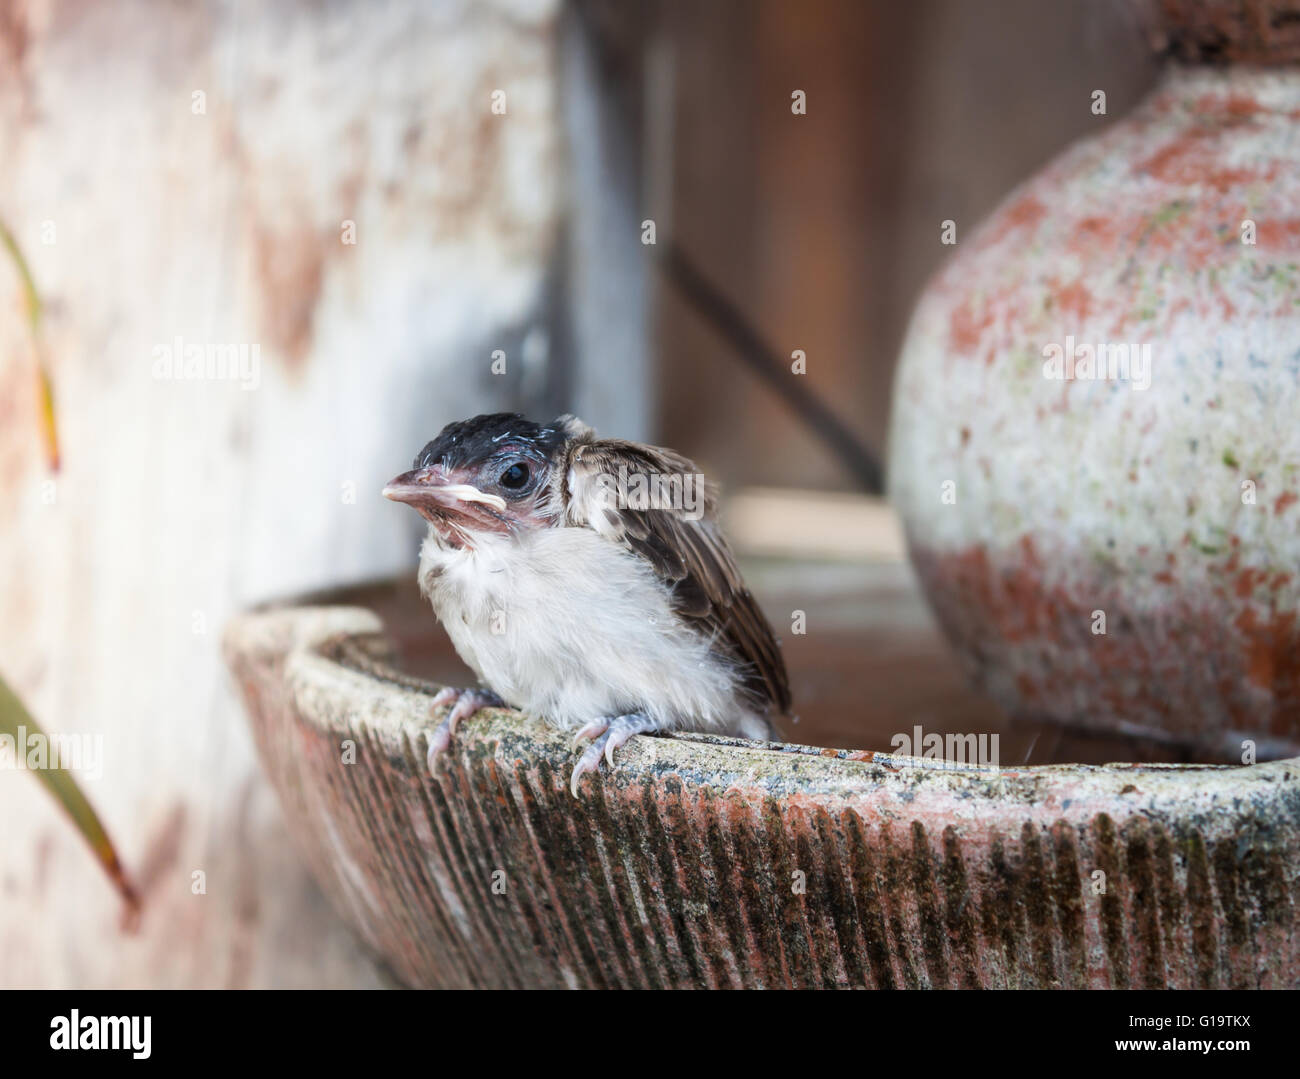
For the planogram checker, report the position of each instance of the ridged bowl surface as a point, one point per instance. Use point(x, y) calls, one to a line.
point(712, 862)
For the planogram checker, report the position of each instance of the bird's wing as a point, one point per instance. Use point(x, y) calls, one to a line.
point(690, 556)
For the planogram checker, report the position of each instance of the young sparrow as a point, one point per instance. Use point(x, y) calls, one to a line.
point(586, 581)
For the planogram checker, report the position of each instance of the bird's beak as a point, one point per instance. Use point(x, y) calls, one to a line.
point(431, 491)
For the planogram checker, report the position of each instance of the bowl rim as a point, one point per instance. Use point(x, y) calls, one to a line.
point(337, 669)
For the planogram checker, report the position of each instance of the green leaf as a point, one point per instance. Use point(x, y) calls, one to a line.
point(45, 385)
point(60, 783)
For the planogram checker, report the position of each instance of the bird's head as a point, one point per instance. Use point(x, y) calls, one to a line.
point(491, 474)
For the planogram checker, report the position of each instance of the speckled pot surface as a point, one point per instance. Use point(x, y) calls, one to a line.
point(705, 861)
point(1036, 504)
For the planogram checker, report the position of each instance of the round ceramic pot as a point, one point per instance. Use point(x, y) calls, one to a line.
point(1096, 440)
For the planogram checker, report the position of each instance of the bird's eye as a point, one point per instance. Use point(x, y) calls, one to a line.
point(514, 477)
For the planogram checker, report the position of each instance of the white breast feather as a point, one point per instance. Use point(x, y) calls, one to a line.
point(566, 625)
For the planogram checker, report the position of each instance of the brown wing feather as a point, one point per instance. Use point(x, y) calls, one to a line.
point(691, 556)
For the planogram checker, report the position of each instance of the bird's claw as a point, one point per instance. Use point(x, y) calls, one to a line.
point(594, 729)
point(606, 735)
point(464, 703)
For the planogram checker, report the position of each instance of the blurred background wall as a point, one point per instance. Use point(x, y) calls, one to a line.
point(191, 171)
point(825, 226)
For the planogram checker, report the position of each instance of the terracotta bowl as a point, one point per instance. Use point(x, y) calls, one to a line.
point(705, 861)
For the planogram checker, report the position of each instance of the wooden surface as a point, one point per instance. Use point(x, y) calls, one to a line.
point(824, 227)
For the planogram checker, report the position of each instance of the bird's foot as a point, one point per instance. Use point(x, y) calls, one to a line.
point(606, 735)
point(464, 703)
